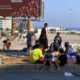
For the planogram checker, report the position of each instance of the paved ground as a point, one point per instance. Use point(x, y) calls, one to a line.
point(35, 76)
point(74, 40)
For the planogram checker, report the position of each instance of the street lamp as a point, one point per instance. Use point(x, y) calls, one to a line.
point(70, 15)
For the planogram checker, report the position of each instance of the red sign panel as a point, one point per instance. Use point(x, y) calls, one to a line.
point(19, 8)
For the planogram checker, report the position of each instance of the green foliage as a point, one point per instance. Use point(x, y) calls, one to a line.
point(21, 30)
point(17, 29)
point(7, 29)
point(73, 32)
point(1, 29)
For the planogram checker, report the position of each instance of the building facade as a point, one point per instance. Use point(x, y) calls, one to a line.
point(6, 23)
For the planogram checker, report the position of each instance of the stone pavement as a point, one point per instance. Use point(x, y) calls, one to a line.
point(36, 76)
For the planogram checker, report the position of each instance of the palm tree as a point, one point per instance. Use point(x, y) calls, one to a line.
point(7, 29)
point(1, 29)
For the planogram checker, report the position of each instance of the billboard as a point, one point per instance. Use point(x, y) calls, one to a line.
point(19, 8)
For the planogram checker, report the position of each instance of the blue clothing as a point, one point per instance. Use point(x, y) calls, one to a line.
point(70, 51)
point(30, 34)
point(48, 57)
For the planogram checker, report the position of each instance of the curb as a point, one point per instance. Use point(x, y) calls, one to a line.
point(35, 67)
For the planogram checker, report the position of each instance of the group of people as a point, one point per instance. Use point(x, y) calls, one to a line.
point(42, 39)
point(40, 52)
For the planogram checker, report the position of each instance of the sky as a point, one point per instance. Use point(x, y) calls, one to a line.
point(57, 13)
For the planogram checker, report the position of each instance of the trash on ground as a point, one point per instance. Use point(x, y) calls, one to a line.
point(68, 74)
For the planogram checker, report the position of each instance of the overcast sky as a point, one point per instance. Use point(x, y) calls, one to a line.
point(57, 13)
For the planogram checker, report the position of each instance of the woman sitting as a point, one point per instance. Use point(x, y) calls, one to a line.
point(69, 51)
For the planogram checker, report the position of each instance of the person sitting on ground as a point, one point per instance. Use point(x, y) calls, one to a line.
point(36, 54)
point(58, 37)
point(30, 40)
point(78, 55)
point(71, 56)
point(69, 51)
point(48, 60)
point(55, 45)
point(6, 44)
point(62, 59)
point(36, 44)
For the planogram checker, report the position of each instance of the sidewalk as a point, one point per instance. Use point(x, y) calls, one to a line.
point(36, 76)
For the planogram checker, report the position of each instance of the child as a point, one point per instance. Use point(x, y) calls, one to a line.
point(6, 44)
point(62, 59)
point(48, 60)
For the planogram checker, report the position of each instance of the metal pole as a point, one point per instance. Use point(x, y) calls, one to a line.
point(70, 15)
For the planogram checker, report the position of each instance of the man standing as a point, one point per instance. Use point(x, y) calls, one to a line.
point(30, 40)
point(43, 37)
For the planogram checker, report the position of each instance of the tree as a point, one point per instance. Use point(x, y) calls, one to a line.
point(21, 30)
point(1, 29)
point(7, 29)
point(17, 29)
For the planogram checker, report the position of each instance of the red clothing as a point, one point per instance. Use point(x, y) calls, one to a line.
point(8, 43)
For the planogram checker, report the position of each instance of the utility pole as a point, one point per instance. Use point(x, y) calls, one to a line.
point(70, 15)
